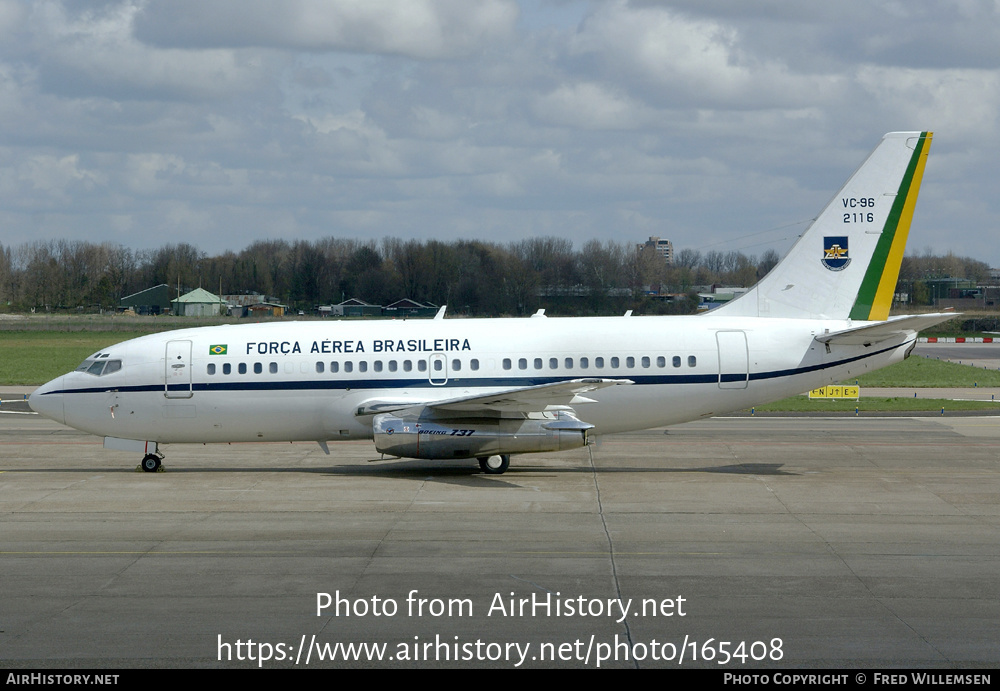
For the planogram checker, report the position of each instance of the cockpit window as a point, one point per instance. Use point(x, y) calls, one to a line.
point(99, 368)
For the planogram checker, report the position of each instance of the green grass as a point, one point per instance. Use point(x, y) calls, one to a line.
point(919, 372)
point(802, 404)
point(34, 357)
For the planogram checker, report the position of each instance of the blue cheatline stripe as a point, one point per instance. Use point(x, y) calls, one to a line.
point(491, 382)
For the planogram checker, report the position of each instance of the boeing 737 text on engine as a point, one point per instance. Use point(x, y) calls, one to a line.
point(490, 388)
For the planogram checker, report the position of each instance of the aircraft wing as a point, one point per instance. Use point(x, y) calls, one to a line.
point(521, 398)
point(883, 331)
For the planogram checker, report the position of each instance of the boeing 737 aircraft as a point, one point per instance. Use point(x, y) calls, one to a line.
point(489, 388)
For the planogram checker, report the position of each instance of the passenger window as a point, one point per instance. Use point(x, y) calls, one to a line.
point(661, 361)
point(348, 366)
point(392, 365)
point(506, 363)
point(645, 361)
point(226, 368)
point(438, 365)
point(363, 366)
point(630, 362)
point(692, 361)
point(538, 363)
point(522, 363)
point(584, 362)
point(456, 365)
point(474, 365)
point(319, 367)
point(553, 363)
point(614, 362)
point(407, 366)
point(211, 368)
point(243, 368)
point(257, 368)
point(598, 362)
point(677, 361)
point(422, 365)
point(569, 363)
point(378, 365)
point(273, 368)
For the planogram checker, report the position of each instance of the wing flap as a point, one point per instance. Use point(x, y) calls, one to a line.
point(520, 399)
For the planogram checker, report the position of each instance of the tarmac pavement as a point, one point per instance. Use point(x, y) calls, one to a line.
point(771, 542)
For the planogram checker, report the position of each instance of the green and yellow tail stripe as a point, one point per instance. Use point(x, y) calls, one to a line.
point(879, 284)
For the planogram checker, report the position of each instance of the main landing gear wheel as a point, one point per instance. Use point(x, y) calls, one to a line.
point(494, 465)
point(151, 463)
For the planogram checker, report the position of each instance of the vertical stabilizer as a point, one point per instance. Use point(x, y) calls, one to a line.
point(846, 264)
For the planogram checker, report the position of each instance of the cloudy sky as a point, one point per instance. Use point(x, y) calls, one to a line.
point(719, 124)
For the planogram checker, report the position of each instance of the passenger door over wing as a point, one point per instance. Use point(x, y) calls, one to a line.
point(734, 359)
point(437, 369)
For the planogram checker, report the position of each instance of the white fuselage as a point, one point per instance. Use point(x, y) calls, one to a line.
point(296, 381)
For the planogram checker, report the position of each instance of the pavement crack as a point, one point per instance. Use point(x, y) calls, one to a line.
point(611, 552)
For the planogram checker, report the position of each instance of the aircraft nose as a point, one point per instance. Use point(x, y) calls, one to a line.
point(46, 400)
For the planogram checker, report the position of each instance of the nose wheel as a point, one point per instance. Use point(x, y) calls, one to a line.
point(494, 465)
point(150, 463)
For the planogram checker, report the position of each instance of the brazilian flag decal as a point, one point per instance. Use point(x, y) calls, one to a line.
point(217, 350)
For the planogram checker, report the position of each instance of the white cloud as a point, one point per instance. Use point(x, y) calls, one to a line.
point(148, 174)
point(414, 28)
point(12, 14)
point(352, 143)
point(591, 106)
point(96, 53)
point(218, 123)
point(56, 176)
point(691, 61)
point(963, 103)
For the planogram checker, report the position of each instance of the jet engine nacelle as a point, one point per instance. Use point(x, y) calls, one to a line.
point(471, 437)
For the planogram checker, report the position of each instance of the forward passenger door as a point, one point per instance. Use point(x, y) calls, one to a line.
point(177, 376)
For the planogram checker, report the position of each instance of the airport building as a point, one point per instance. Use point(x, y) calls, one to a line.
point(661, 246)
point(155, 300)
point(199, 303)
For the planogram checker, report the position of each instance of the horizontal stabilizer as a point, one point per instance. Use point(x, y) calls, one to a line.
point(883, 331)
